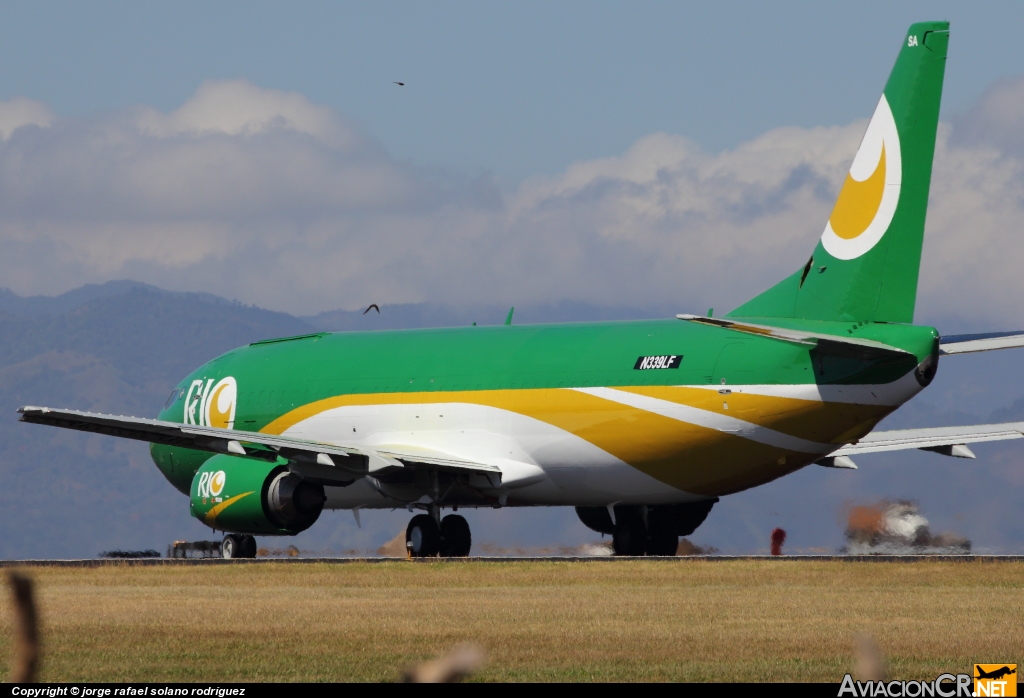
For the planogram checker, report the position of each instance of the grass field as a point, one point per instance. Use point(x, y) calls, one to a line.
point(745, 620)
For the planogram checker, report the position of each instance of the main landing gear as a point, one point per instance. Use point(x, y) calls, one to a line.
point(632, 536)
point(646, 530)
point(238, 546)
point(426, 537)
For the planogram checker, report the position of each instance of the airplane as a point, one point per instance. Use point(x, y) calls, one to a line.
point(641, 426)
point(995, 674)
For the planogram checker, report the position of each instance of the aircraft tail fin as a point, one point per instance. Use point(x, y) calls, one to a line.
point(865, 267)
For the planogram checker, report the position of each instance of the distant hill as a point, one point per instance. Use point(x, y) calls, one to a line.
point(120, 347)
point(34, 306)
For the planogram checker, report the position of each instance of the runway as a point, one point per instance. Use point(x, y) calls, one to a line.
point(781, 559)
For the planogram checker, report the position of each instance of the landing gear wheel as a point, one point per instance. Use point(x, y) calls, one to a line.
point(630, 536)
point(248, 547)
point(455, 537)
point(664, 543)
point(422, 537)
point(661, 532)
point(231, 547)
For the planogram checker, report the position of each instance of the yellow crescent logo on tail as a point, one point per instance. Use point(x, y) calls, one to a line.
point(868, 199)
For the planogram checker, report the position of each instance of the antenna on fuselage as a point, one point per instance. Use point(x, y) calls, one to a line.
point(508, 320)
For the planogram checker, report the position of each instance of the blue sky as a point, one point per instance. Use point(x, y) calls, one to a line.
point(515, 89)
point(615, 154)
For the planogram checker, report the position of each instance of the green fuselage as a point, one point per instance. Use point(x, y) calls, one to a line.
point(276, 378)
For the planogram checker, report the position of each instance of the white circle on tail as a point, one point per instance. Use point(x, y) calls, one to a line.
point(220, 408)
point(868, 199)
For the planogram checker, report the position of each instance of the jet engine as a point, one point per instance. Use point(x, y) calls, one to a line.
point(243, 495)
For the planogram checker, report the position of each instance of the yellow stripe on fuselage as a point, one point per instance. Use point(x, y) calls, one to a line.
point(693, 458)
point(813, 420)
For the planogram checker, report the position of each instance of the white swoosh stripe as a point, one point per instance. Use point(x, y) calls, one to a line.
point(709, 420)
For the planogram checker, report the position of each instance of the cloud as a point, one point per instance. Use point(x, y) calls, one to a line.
point(997, 120)
point(263, 196)
point(238, 108)
point(22, 111)
point(974, 244)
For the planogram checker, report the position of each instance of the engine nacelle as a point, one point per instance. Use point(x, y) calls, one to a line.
point(242, 495)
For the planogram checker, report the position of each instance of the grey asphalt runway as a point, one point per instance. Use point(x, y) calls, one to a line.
point(782, 559)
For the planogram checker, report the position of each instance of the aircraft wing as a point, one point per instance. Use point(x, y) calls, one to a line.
point(325, 463)
point(969, 343)
point(950, 441)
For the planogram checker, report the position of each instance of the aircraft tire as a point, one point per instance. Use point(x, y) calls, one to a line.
point(662, 543)
point(248, 547)
point(662, 539)
point(231, 547)
point(422, 537)
point(455, 536)
point(630, 536)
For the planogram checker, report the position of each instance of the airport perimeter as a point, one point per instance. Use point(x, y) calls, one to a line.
point(698, 618)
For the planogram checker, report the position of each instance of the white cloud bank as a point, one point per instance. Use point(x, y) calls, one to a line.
point(262, 196)
point(22, 111)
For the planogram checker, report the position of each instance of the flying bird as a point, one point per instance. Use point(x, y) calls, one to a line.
point(400, 84)
point(373, 306)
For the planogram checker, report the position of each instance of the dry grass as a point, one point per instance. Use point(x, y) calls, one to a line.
point(689, 620)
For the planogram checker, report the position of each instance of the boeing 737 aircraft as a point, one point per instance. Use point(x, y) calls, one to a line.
point(641, 426)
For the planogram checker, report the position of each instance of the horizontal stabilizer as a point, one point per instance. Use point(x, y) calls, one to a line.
point(970, 343)
point(849, 346)
point(949, 441)
point(325, 463)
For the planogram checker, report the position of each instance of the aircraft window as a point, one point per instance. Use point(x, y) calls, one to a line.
point(175, 394)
